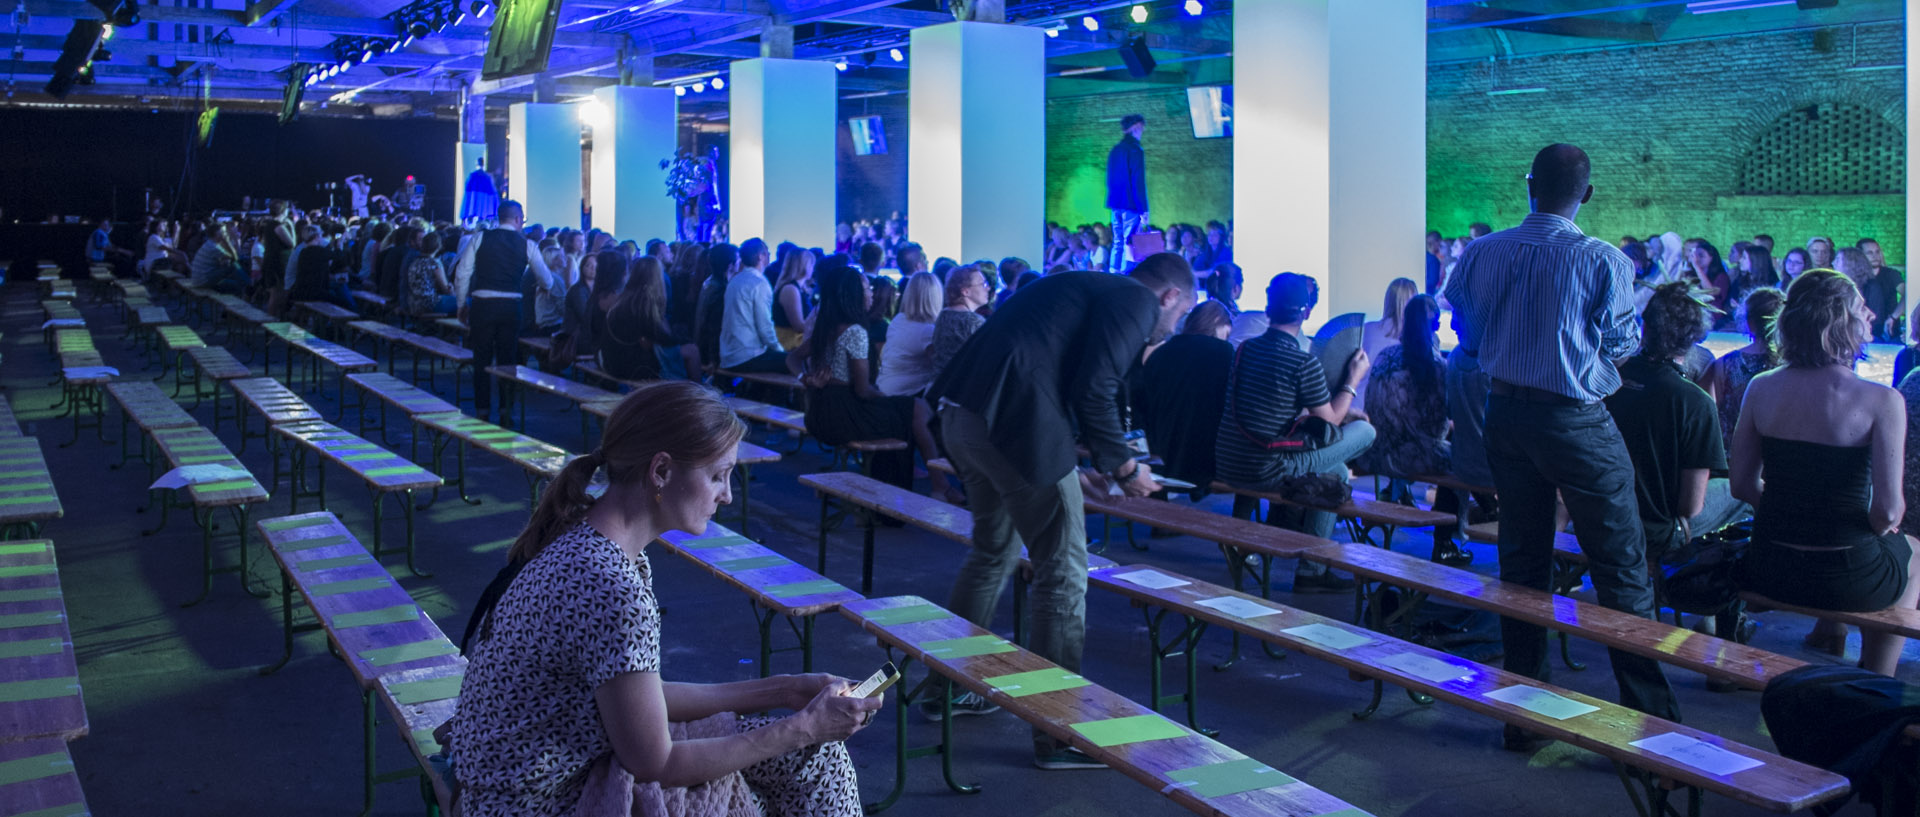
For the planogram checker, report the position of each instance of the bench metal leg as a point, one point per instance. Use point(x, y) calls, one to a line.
point(825, 502)
point(802, 631)
point(903, 753)
point(745, 473)
point(1657, 791)
point(1184, 643)
point(866, 556)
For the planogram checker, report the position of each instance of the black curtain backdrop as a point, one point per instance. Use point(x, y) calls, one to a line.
point(90, 163)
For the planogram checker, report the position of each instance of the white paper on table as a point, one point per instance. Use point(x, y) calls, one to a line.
point(1151, 579)
point(64, 323)
point(1239, 607)
point(1327, 636)
point(1427, 667)
point(1697, 753)
point(196, 474)
point(84, 372)
point(1534, 699)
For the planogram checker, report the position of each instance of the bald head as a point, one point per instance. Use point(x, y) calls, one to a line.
point(1559, 179)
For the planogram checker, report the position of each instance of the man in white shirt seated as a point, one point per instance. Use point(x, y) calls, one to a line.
point(747, 339)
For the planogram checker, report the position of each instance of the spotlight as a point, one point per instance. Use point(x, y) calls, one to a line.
point(457, 15)
point(840, 65)
point(1053, 32)
point(896, 55)
point(866, 59)
point(719, 84)
point(679, 90)
point(418, 29)
point(1090, 22)
point(593, 113)
point(367, 55)
point(405, 41)
point(699, 87)
point(480, 8)
point(106, 32)
point(439, 21)
point(1194, 8)
point(1139, 14)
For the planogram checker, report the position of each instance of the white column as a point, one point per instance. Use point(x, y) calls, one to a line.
point(976, 177)
point(1330, 165)
point(632, 134)
point(543, 161)
point(781, 120)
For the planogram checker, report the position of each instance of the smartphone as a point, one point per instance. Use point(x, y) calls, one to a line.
point(876, 683)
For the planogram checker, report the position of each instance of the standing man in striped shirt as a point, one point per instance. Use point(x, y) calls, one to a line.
point(1548, 310)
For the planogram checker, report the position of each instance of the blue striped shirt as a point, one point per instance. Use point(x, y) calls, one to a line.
point(1547, 307)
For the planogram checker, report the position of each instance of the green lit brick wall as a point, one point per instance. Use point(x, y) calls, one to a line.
point(1667, 127)
point(1188, 180)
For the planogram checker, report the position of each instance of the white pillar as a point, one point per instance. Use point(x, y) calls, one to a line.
point(781, 120)
point(977, 174)
point(543, 161)
point(1331, 164)
point(634, 131)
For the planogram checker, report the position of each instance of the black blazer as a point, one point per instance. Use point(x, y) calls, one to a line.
point(1055, 353)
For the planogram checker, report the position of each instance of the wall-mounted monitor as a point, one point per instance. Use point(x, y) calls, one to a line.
point(1211, 107)
point(869, 135)
point(521, 38)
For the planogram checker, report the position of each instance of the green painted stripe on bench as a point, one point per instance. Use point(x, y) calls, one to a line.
point(207, 445)
point(386, 615)
point(963, 647)
point(351, 586)
point(226, 485)
point(20, 460)
point(409, 652)
point(432, 689)
point(395, 471)
point(28, 570)
point(495, 435)
point(24, 547)
point(205, 458)
point(1131, 729)
point(366, 457)
point(1022, 684)
point(31, 647)
point(331, 562)
point(287, 524)
point(316, 542)
point(794, 590)
point(423, 738)
point(1229, 778)
point(23, 472)
point(890, 616)
point(728, 540)
point(38, 689)
point(30, 594)
point(35, 768)
point(737, 565)
point(42, 484)
point(25, 500)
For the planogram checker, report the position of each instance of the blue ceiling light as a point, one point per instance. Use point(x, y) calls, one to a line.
point(1194, 8)
point(896, 55)
point(1139, 15)
point(1091, 22)
point(719, 84)
point(679, 90)
point(840, 65)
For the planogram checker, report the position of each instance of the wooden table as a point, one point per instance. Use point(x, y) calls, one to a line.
point(238, 494)
point(38, 677)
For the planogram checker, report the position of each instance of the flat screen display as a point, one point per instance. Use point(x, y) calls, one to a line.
point(869, 135)
point(1211, 107)
point(521, 38)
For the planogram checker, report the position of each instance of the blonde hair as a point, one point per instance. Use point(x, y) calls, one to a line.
point(685, 420)
point(1818, 327)
point(921, 304)
point(1399, 293)
point(799, 265)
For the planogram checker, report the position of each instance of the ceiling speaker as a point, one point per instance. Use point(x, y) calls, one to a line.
point(1139, 62)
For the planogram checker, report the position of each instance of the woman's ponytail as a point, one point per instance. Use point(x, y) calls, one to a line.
point(562, 505)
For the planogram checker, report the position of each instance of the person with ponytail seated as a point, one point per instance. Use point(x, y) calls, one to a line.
point(565, 707)
point(1407, 395)
point(1819, 454)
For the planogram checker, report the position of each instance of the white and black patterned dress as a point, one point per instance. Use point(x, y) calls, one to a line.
point(527, 728)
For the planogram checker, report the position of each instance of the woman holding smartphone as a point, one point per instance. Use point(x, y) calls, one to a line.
point(565, 708)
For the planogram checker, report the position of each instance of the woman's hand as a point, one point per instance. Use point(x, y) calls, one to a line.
point(832, 715)
point(801, 689)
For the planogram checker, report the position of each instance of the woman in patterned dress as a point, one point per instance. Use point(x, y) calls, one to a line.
point(564, 708)
point(1407, 400)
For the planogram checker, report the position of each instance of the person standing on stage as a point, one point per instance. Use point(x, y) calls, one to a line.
point(1548, 309)
point(1046, 369)
point(491, 270)
point(358, 186)
point(482, 202)
point(1127, 190)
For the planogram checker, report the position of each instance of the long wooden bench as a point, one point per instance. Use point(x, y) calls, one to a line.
point(795, 423)
point(275, 403)
point(175, 340)
point(237, 491)
point(1569, 562)
point(344, 360)
point(140, 329)
point(326, 314)
point(538, 460)
point(216, 364)
point(1363, 514)
point(371, 623)
point(242, 321)
point(45, 783)
point(9, 424)
point(1896, 620)
point(40, 696)
point(436, 351)
point(1160, 754)
point(390, 391)
point(524, 378)
point(27, 495)
point(378, 332)
point(411, 698)
point(382, 471)
point(149, 408)
point(1610, 730)
point(370, 302)
point(777, 586)
point(82, 374)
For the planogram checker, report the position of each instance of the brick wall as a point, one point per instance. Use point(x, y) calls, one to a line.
point(1667, 126)
point(1188, 180)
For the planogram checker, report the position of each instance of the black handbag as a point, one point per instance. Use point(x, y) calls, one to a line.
point(1699, 578)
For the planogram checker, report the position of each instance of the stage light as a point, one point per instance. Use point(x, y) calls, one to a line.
point(679, 90)
point(1053, 32)
point(106, 32)
point(417, 29)
point(699, 87)
point(1092, 23)
point(367, 55)
point(1139, 14)
point(593, 113)
point(896, 55)
point(719, 84)
point(406, 41)
point(480, 8)
point(1194, 8)
point(840, 65)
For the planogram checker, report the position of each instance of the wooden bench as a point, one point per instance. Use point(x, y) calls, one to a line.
point(175, 340)
point(274, 403)
point(372, 303)
point(1895, 620)
point(1607, 729)
point(593, 374)
point(1363, 514)
point(383, 472)
point(47, 785)
point(400, 694)
point(771, 380)
point(9, 424)
point(238, 493)
point(216, 364)
point(326, 313)
point(795, 422)
point(392, 391)
point(451, 328)
point(39, 682)
point(1066, 707)
point(243, 322)
point(371, 623)
point(526, 377)
point(140, 329)
point(344, 362)
point(539, 461)
point(436, 351)
point(81, 377)
point(378, 332)
point(1569, 562)
point(149, 408)
point(1716, 658)
point(27, 495)
point(778, 587)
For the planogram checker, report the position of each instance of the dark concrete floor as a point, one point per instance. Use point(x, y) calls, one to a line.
point(183, 724)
